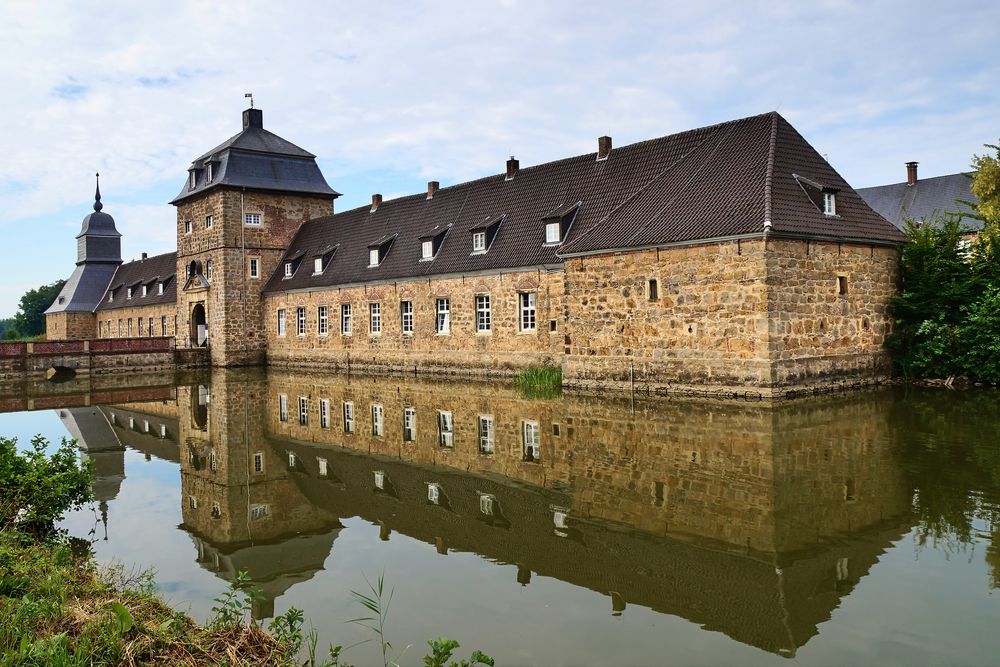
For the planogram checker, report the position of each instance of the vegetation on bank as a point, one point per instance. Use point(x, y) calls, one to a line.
point(539, 382)
point(58, 607)
point(948, 310)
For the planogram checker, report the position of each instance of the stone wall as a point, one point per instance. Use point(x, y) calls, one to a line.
point(817, 333)
point(232, 299)
point(69, 326)
point(707, 325)
point(110, 322)
point(504, 348)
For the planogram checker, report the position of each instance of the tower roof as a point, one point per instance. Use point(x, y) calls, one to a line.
point(257, 159)
point(98, 223)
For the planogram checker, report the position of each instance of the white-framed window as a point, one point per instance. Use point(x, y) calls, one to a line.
point(406, 316)
point(487, 501)
point(209, 172)
point(324, 413)
point(409, 424)
point(128, 293)
point(150, 332)
point(829, 203)
point(526, 301)
point(486, 434)
point(192, 179)
point(531, 450)
point(144, 290)
point(478, 241)
point(380, 480)
point(288, 270)
point(322, 467)
point(291, 459)
point(282, 407)
point(303, 411)
point(483, 316)
point(187, 226)
point(119, 327)
point(300, 321)
point(163, 325)
point(446, 430)
point(323, 320)
point(442, 319)
point(345, 319)
point(130, 327)
point(258, 462)
point(348, 417)
point(426, 249)
point(192, 502)
point(208, 269)
point(252, 219)
point(553, 233)
point(434, 493)
point(209, 221)
point(373, 257)
point(254, 267)
point(281, 321)
point(377, 423)
point(317, 265)
point(258, 512)
point(159, 288)
point(140, 328)
point(375, 318)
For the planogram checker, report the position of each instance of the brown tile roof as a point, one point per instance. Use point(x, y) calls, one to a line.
point(149, 271)
point(712, 182)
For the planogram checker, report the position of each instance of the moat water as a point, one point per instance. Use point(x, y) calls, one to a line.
point(571, 530)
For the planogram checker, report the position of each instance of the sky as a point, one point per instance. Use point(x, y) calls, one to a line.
point(390, 95)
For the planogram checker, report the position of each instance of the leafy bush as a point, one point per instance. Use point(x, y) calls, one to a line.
point(539, 382)
point(980, 336)
point(38, 488)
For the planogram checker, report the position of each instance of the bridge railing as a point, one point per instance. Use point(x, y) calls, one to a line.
point(121, 345)
point(14, 349)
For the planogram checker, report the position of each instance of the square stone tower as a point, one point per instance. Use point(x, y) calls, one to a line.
point(237, 213)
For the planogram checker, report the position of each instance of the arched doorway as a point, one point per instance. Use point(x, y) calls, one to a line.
point(199, 326)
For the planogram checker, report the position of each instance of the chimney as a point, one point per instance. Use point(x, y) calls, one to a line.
point(144, 256)
point(253, 118)
point(603, 148)
point(432, 187)
point(376, 200)
point(911, 173)
point(512, 168)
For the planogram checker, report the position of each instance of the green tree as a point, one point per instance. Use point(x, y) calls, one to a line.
point(30, 318)
point(986, 185)
point(39, 487)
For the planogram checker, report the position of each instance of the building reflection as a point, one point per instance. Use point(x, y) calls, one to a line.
point(750, 520)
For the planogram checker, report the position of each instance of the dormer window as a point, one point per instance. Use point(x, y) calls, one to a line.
point(289, 270)
point(111, 296)
point(431, 243)
point(144, 291)
point(829, 203)
point(317, 265)
point(322, 259)
point(378, 250)
point(192, 179)
point(159, 288)
point(483, 235)
point(479, 242)
point(209, 172)
point(128, 292)
point(558, 222)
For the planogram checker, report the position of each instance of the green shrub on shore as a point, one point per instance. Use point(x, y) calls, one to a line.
point(38, 487)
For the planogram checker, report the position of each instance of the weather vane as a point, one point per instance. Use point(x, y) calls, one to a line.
point(250, 95)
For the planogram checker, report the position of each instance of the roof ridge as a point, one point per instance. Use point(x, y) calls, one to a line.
point(769, 174)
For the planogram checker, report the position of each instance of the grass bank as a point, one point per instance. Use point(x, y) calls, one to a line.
point(539, 382)
point(57, 607)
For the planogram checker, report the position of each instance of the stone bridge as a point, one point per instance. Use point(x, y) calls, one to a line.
point(101, 355)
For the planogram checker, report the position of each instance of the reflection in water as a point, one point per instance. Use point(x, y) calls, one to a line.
point(750, 520)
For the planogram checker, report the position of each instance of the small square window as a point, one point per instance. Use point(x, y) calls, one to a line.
point(252, 219)
point(552, 233)
point(479, 242)
point(842, 285)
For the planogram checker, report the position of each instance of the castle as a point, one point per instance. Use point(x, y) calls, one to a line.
point(732, 256)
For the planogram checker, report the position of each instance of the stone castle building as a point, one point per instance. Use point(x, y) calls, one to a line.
point(732, 255)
